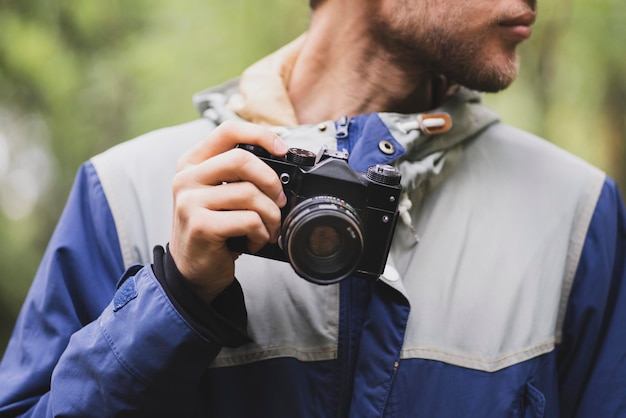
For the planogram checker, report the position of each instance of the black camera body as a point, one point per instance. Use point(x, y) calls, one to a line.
point(337, 222)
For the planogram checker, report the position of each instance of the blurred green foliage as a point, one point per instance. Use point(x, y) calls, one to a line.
point(77, 76)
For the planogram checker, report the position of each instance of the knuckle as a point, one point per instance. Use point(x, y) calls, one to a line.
point(247, 165)
point(276, 216)
point(255, 229)
point(200, 228)
point(252, 220)
point(179, 184)
point(183, 199)
point(230, 128)
point(241, 156)
point(181, 163)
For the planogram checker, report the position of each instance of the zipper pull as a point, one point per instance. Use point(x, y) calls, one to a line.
point(434, 123)
point(342, 128)
point(427, 123)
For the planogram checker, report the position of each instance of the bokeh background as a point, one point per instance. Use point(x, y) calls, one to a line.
point(78, 76)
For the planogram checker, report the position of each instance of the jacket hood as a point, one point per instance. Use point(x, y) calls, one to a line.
point(468, 117)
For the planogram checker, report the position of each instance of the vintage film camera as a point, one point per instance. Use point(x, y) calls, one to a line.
point(337, 222)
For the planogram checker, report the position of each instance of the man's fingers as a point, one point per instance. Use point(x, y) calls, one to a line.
point(235, 165)
point(215, 227)
point(227, 136)
point(222, 192)
point(230, 197)
point(244, 196)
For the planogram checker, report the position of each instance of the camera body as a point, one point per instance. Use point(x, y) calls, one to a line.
point(337, 222)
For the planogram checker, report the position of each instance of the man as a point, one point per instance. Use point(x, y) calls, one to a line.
point(504, 289)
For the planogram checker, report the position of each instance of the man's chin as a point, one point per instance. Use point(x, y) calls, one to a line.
point(489, 80)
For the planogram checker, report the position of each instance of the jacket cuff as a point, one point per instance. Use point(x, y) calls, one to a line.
point(224, 321)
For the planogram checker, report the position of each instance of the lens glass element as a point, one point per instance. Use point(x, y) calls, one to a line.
point(323, 239)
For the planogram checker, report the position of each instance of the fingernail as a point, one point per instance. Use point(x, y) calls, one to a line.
point(282, 200)
point(279, 146)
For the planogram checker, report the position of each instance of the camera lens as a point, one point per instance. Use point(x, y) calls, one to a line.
point(323, 239)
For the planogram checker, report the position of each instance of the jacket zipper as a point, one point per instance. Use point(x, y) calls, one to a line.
point(345, 289)
point(345, 355)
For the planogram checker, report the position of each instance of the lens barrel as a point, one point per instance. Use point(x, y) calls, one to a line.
point(323, 239)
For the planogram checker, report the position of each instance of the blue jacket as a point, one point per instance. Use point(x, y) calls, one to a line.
point(512, 304)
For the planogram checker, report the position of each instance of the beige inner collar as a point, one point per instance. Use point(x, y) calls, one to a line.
point(263, 97)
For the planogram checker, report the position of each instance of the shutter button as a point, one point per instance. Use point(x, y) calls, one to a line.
point(386, 147)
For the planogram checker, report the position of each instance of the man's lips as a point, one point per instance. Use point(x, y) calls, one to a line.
point(519, 26)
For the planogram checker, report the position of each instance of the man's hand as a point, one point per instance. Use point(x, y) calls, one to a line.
point(220, 192)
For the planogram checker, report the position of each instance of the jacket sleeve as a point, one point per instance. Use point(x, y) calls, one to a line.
point(85, 346)
point(592, 355)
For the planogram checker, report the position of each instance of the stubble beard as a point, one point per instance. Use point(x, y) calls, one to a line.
point(458, 58)
point(465, 63)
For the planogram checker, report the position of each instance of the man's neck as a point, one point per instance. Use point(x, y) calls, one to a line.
point(342, 71)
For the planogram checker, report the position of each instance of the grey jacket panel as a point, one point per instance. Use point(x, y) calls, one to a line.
point(477, 245)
